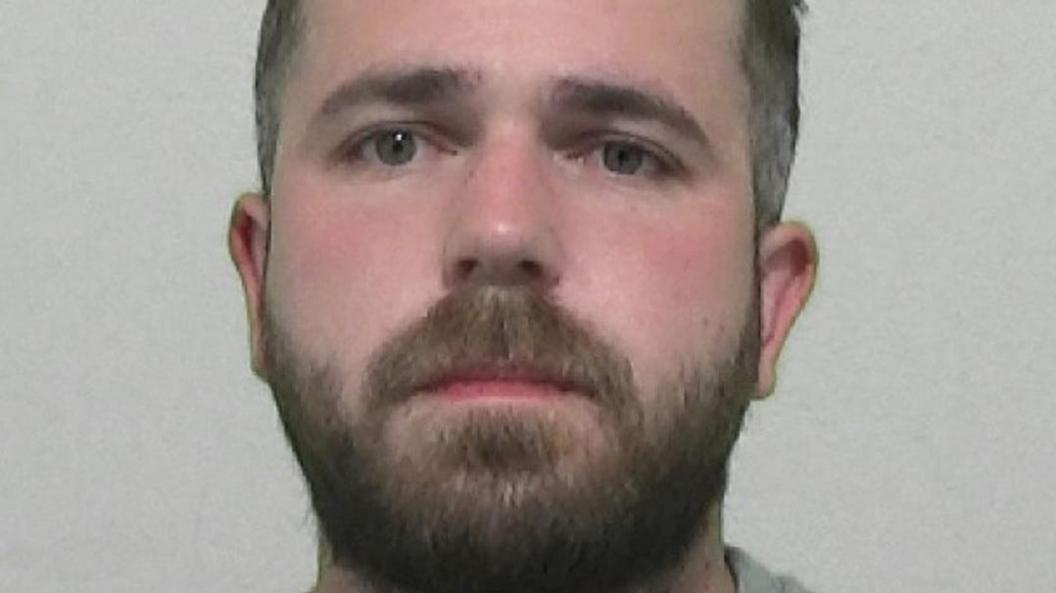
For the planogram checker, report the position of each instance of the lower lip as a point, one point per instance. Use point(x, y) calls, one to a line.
point(495, 389)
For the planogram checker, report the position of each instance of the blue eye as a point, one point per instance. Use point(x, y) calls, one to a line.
point(392, 147)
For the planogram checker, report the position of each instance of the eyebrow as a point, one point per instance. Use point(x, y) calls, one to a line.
point(414, 87)
point(427, 85)
point(608, 99)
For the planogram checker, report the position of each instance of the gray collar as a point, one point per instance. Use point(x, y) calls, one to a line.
point(752, 577)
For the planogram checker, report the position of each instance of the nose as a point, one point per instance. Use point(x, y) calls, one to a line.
point(503, 225)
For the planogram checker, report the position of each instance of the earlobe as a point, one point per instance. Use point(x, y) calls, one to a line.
point(788, 261)
point(248, 245)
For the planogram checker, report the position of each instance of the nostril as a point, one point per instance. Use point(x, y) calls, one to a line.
point(465, 268)
point(496, 270)
point(530, 268)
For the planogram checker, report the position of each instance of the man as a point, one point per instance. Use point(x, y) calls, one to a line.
point(516, 271)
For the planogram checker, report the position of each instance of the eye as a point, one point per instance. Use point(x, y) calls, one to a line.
point(623, 158)
point(391, 147)
point(634, 158)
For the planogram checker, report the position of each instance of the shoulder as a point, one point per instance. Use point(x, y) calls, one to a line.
point(753, 577)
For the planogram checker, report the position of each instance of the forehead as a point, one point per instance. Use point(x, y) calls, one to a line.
point(687, 46)
point(449, 20)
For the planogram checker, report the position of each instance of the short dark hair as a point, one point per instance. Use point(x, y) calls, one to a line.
point(769, 56)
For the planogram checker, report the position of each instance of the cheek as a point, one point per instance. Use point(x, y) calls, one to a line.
point(691, 287)
point(342, 275)
point(704, 271)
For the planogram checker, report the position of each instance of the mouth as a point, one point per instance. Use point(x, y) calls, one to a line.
point(491, 384)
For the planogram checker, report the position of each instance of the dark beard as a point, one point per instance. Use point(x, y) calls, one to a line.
point(507, 500)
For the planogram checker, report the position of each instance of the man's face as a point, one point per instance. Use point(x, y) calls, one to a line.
point(660, 261)
point(510, 303)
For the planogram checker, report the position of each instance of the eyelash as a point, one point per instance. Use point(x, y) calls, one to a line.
point(591, 145)
point(664, 164)
point(352, 149)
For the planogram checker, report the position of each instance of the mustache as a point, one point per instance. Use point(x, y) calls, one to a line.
point(498, 332)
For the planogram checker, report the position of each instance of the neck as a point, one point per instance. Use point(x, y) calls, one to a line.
point(704, 570)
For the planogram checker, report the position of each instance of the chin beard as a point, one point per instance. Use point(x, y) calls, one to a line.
point(598, 491)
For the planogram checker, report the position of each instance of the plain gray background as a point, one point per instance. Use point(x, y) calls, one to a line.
point(910, 445)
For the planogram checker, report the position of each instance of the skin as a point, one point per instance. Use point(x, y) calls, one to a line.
point(509, 187)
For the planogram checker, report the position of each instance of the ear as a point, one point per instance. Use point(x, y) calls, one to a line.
point(788, 262)
point(247, 240)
